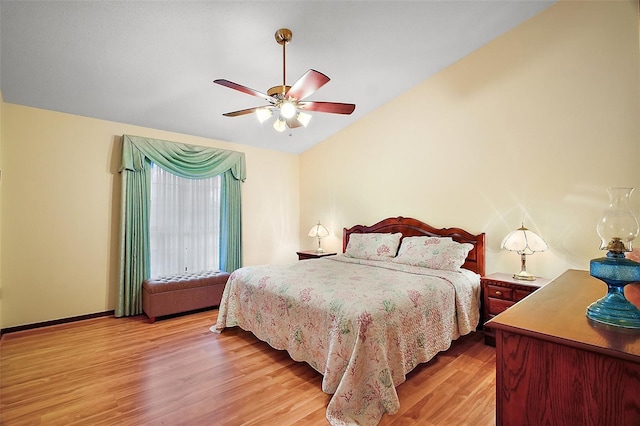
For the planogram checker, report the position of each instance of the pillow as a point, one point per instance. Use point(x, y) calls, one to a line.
point(434, 253)
point(413, 244)
point(373, 246)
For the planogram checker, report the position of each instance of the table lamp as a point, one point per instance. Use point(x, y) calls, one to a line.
point(524, 242)
point(318, 231)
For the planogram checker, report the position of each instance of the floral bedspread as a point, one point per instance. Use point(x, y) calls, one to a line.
point(362, 324)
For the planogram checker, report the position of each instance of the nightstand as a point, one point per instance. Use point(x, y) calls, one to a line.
point(312, 254)
point(501, 291)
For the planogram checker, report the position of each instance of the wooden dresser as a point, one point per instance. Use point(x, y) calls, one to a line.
point(554, 366)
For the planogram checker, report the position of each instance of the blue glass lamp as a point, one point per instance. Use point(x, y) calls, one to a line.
point(617, 229)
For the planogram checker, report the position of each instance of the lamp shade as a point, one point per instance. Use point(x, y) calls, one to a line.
point(304, 118)
point(263, 114)
point(318, 231)
point(524, 241)
point(279, 125)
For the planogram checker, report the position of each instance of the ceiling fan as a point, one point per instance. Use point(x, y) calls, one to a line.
point(288, 101)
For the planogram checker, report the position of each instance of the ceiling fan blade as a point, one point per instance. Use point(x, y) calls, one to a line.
point(241, 112)
point(310, 81)
point(330, 107)
point(244, 89)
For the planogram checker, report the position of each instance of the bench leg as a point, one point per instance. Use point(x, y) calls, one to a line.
point(152, 320)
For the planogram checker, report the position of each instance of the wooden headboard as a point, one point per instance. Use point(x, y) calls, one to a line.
point(409, 227)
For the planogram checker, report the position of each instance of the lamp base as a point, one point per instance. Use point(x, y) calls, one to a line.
point(614, 309)
point(524, 275)
point(319, 250)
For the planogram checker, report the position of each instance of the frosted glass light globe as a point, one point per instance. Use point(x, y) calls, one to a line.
point(287, 109)
point(279, 125)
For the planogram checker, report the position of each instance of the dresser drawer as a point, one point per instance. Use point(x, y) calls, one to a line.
point(497, 306)
point(499, 292)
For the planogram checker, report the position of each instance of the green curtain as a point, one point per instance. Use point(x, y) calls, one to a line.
point(187, 161)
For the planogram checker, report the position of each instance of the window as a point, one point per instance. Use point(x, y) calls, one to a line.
point(184, 223)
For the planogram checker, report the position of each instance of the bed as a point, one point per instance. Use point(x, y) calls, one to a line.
point(400, 292)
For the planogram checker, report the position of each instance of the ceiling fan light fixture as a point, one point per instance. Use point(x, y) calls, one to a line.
point(263, 114)
point(279, 125)
point(287, 109)
point(304, 118)
point(287, 101)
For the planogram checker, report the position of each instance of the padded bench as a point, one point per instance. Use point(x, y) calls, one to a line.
point(182, 293)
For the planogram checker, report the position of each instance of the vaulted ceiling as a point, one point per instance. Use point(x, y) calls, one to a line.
point(152, 63)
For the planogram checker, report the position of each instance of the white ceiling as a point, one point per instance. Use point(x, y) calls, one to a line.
point(152, 63)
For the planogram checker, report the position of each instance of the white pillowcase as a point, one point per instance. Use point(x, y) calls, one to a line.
point(373, 246)
point(433, 252)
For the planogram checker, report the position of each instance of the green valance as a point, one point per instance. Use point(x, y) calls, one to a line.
point(186, 161)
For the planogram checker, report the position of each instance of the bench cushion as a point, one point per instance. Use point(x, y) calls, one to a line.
point(180, 282)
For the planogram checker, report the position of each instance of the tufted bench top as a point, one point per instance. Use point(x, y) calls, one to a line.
point(184, 281)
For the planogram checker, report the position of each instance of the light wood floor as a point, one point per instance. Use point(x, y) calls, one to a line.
point(109, 371)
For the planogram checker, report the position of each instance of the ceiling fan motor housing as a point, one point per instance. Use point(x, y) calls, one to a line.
point(278, 91)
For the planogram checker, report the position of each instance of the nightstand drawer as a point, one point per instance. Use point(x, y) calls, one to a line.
point(520, 294)
point(497, 306)
point(499, 292)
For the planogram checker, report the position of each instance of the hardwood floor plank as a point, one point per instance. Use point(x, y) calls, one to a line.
point(108, 371)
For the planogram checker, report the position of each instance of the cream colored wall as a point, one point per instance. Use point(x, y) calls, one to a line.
point(531, 127)
point(60, 211)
